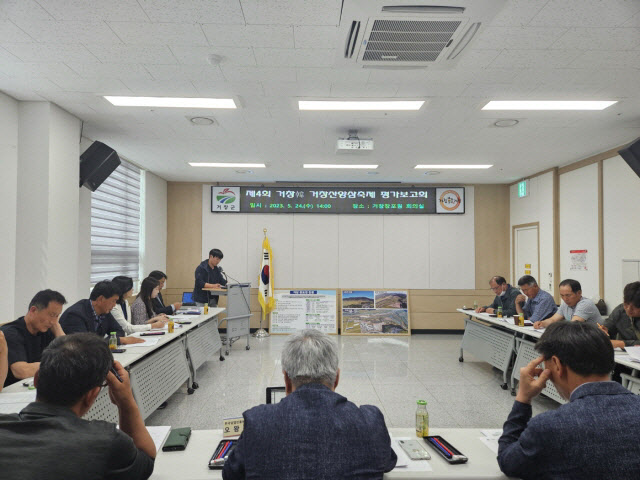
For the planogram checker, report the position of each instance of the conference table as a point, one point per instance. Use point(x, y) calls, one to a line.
point(509, 347)
point(157, 371)
point(192, 463)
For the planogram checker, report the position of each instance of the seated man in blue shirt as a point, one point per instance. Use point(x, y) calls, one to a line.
point(595, 435)
point(539, 304)
point(574, 308)
point(49, 439)
point(313, 432)
point(94, 314)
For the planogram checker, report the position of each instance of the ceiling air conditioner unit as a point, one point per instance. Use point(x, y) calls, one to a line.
point(410, 33)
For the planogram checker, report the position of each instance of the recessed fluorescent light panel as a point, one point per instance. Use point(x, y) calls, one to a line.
point(228, 165)
point(547, 105)
point(437, 167)
point(326, 165)
point(359, 105)
point(172, 102)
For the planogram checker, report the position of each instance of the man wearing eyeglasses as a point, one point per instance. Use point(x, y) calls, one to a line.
point(505, 297)
point(50, 439)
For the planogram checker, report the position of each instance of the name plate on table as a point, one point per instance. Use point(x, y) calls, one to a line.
point(232, 427)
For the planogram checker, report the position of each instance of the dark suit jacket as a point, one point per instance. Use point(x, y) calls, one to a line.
point(313, 433)
point(596, 435)
point(79, 318)
point(160, 307)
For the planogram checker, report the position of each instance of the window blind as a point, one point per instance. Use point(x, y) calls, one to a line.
point(115, 225)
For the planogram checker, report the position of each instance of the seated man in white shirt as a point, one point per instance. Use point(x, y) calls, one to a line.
point(575, 307)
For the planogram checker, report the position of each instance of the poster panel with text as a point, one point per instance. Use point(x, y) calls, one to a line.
point(301, 309)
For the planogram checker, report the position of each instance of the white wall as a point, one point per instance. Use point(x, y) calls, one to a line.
point(155, 224)
point(579, 226)
point(47, 203)
point(621, 225)
point(537, 207)
point(8, 200)
point(347, 251)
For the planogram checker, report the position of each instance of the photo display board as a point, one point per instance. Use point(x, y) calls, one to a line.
point(301, 309)
point(375, 312)
point(337, 199)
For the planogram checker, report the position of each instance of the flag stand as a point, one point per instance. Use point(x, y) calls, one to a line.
point(261, 332)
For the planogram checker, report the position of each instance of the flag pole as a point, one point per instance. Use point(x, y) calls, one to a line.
point(261, 332)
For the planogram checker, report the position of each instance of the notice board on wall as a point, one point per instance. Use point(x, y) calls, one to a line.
point(301, 309)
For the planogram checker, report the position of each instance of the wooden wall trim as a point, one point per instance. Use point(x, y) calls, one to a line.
point(601, 228)
point(556, 234)
point(529, 177)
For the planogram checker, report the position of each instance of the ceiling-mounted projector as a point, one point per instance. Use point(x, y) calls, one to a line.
point(354, 144)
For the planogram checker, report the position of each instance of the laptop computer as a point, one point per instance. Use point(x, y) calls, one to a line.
point(187, 299)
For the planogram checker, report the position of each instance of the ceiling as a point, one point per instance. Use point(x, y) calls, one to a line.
point(72, 52)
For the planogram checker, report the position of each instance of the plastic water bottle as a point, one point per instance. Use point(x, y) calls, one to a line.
point(499, 312)
point(113, 341)
point(422, 419)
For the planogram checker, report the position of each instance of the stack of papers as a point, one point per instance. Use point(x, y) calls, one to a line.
point(490, 439)
point(634, 353)
point(148, 342)
point(159, 435)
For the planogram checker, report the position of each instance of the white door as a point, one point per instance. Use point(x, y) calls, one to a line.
point(526, 253)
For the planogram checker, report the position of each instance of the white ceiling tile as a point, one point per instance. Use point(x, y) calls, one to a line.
point(69, 32)
point(608, 59)
point(6, 57)
point(518, 12)
point(9, 32)
point(534, 58)
point(564, 91)
point(35, 84)
point(298, 57)
point(312, 36)
point(103, 86)
point(77, 109)
point(23, 9)
point(92, 11)
point(264, 36)
point(633, 21)
point(26, 70)
point(242, 56)
point(181, 72)
point(424, 89)
point(144, 33)
point(110, 70)
point(599, 39)
point(333, 75)
point(147, 54)
point(49, 52)
point(475, 59)
point(209, 88)
point(300, 12)
point(370, 90)
point(319, 88)
point(486, 75)
point(393, 75)
point(586, 13)
point(21, 94)
point(165, 88)
point(518, 37)
point(250, 74)
point(496, 90)
point(192, 11)
point(63, 98)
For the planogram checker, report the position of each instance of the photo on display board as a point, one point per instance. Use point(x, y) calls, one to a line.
point(385, 312)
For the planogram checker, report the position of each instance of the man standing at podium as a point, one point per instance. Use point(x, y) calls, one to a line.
point(208, 275)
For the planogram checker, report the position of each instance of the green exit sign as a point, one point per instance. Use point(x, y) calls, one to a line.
point(523, 191)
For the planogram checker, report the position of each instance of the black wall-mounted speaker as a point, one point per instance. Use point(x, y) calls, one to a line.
point(631, 155)
point(96, 164)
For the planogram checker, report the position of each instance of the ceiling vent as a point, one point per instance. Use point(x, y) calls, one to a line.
point(380, 34)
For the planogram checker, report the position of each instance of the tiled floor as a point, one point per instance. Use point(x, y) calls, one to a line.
point(389, 372)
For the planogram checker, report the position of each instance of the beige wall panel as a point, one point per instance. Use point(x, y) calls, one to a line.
point(184, 232)
point(445, 303)
point(492, 233)
point(437, 321)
